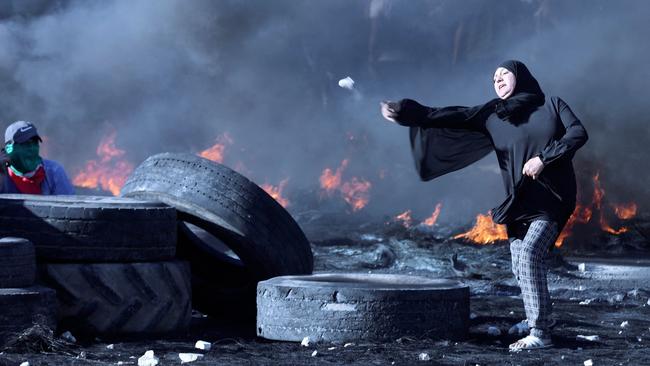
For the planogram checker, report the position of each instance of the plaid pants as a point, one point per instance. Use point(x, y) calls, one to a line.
point(529, 267)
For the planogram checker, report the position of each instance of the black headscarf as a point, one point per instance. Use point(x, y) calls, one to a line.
point(438, 151)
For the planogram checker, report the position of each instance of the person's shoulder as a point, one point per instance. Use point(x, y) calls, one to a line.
point(52, 165)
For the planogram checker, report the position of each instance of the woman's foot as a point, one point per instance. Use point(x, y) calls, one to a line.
point(530, 342)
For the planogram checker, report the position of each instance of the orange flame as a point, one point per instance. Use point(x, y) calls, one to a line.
point(216, 152)
point(356, 193)
point(434, 216)
point(625, 211)
point(584, 214)
point(276, 192)
point(485, 231)
point(109, 172)
point(405, 218)
point(332, 181)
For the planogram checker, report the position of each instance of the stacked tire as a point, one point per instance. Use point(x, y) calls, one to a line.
point(22, 303)
point(110, 260)
point(231, 231)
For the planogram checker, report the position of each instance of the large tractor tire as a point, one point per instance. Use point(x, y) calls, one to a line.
point(122, 298)
point(265, 239)
point(90, 228)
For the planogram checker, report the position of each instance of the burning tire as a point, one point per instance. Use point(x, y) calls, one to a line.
point(261, 233)
point(122, 298)
point(17, 263)
point(21, 308)
point(90, 229)
point(347, 307)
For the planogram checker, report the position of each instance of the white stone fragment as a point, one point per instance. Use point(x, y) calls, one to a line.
point(67, 336)
point(189, 357)
point(591, 338)
point(313, 354)
point(148, 359)
point(348, 345)
point(625, 324)
point(331, 348)
point(586, 302)
point(639, 339)
point(473, 316)
point(206, 346)
point(493, 331)
point(305, 342)
point(582, 267)
point(110, 346)
point(648, 303)
point(24, 363)
point(424, 357)
point(346, 83)
point(589, 362)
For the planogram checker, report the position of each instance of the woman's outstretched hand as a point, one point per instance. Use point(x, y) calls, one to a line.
point(388, 112)
point(533, 167)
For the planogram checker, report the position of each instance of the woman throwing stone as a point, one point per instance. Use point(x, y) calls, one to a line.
point(535, 138)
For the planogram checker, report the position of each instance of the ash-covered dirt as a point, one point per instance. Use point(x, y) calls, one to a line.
point(608, 301)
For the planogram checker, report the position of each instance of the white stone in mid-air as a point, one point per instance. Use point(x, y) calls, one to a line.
point(148, 359)
point(189, 357)
point(347, 83)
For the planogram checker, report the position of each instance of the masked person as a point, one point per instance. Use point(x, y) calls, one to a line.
point(535, 138)
point(22, 170)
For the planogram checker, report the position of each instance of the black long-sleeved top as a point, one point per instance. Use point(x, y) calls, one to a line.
point(551, 132)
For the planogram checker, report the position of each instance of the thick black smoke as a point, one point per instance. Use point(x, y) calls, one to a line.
point(172, 75)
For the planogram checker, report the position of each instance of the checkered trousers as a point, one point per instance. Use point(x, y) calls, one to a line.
point(529, 267)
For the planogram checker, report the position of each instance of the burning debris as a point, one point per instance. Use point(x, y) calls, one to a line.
point(109, 172)
point(276, 192)
point(356, 191)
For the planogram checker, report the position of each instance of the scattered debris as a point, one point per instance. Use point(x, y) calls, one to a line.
point(305, 342)
point(424, 357)
point(346, 83)
point(616, 298)
point(26, 363)
point(587, 301)
point(148, 359)
point(37, 339)
point(473, 316)
point(591, 338)
point(189, 357)
point(68, 337)
point(582, 267)
point(589, 362)
point(348, 345)
point(493, 331)
point(625, 324)
point(110, 346)
point(313, 354)
point(639, 339)
point(206, 346)
point(331, 348)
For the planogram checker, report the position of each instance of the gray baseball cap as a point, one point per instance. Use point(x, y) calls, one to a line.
point(20, 131)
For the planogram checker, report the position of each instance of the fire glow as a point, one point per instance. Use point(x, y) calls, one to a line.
point(276, 192)
point(109, 172)
point(356, 191)
point(434, 216)
point(216, 152)
point(485, 231)
point(584, 214)
point(405, 219)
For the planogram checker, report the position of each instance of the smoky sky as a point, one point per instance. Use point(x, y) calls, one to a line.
point(173, 75)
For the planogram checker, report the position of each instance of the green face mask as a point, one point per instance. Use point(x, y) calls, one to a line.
point(24, 157)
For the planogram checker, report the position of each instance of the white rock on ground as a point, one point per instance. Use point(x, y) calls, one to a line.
point(148, 359)
point(424, 357)
point(582, 267)
point(625, 324)
point(589, 362)
point(189, 357)
point(24, 363)
point(206, 346)
point(110, 346)
point(313, 354)
point(305, 342)
point(348, 345)
point(591, 338)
